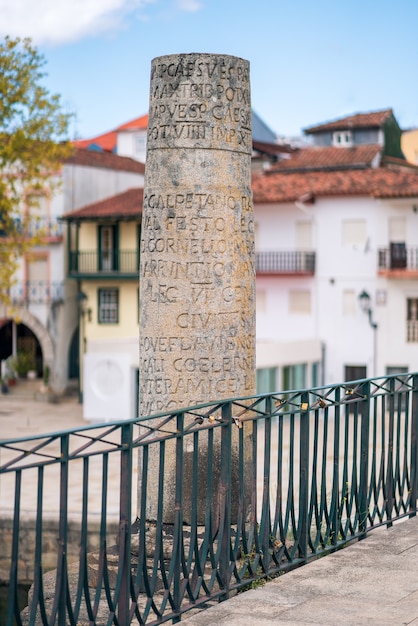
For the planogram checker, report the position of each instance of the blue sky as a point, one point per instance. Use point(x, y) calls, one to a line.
point(311, 60)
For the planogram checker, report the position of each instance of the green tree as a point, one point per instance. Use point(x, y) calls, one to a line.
point(33, 145)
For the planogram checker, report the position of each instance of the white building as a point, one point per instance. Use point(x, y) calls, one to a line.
point(45, 318)
point(334, 222)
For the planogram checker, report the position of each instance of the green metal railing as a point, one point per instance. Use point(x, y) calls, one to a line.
point(242, 490)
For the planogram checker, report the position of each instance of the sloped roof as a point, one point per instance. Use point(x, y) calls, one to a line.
point(272, 148)
point(124, 206)
point(108, 141)
point(106, 160)
point(374, 119)
point(377, 183)
point(330, 157)
point(139, 123)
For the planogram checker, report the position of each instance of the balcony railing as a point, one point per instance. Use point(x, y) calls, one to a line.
point(412, 330)
point(285, 262)
point(37, 292)
point(254, 488)
point(398, 257)
point(105, 263)
point(43, 226)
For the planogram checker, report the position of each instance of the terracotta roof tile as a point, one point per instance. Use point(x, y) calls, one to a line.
point(124, 206)
point(272, 148)
point(374, 119)
point(329, 157)
point(107, 141)
point(377, 183)
point(106, 160)
point(139, 123)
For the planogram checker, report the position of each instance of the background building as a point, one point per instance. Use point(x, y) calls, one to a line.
point(336, 253)
point(336, 221)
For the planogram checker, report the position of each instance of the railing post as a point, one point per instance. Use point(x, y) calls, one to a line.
point(414, 448)
point(304, 476)
point(61, 581)
point(389, 463)
point(224, 494)
point(335, 502)
point(125, 505)
point(178, 517)
point(364, 458)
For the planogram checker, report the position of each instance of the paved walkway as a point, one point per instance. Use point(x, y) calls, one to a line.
point(372, 583)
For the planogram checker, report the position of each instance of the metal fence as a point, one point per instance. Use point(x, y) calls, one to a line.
point(285, 262)
point(205, 501)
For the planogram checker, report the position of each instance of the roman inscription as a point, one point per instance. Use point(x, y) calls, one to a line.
point(199, 102)
point(197, 273)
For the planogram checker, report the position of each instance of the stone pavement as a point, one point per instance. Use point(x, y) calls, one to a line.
point(373, 582)
point(23, 416)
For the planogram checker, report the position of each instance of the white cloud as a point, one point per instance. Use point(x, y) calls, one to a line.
point(189, 5)
point(61, 21)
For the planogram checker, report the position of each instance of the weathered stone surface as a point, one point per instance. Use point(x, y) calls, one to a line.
point(197, 279)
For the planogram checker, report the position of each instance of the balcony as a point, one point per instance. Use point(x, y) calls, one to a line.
point(49, 230)
point(412, 331)
point(285, 263)
point(37, 292)
point(105, 264)
point(398, 261)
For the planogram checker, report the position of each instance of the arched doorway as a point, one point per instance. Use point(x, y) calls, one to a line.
point(20, 342)
point(6, 339)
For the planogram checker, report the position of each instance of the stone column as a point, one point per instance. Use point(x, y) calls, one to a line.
point(197, 275)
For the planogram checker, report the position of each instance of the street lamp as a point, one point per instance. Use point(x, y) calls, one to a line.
point(364, 299)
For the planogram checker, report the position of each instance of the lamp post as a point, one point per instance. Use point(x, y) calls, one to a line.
point(364, 299)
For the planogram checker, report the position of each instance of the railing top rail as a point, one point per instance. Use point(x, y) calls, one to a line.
point(246, 408)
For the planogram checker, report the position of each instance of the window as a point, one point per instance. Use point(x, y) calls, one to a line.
point(397, 229)
point(412, 319)
point(266, 379)
point(354, 232)
point(355, 372)
point(400, 389)
point(108, 306)
point(108, 248)
point(398, 256)
point(261, 301)
point(294, 376)
point(37, 286)
point(37, 207)
point(314, 374)
point(303, 235)
point(141, 144)
point(300, 302)
point(349, 302)
point(342, 138)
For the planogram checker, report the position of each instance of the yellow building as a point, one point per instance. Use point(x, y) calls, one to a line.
point(409, 145)
point(103, 259)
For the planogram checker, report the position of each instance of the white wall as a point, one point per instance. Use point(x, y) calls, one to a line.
point(85, 185)
point(344, 267)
